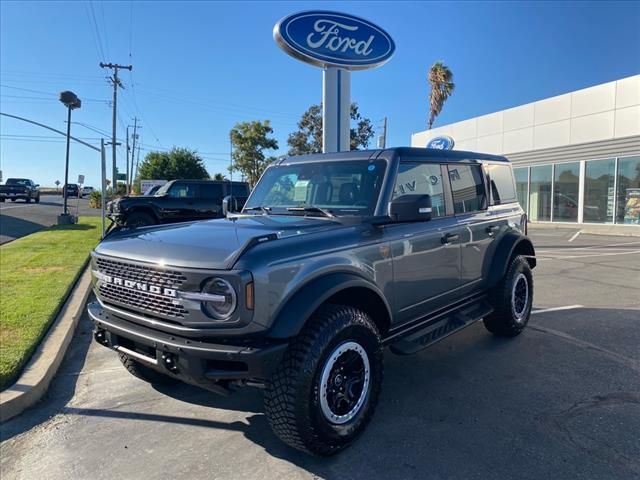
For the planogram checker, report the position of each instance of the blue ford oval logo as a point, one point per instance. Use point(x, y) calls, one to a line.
point(325, 39)
point(443, 142)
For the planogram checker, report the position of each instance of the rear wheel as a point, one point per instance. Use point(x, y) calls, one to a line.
point(326, 388)
point(145, 373)
point(511, 299)
point(139, 219)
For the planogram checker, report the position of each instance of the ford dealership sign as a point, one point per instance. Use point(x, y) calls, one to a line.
point(441, 143)
point(331, 39)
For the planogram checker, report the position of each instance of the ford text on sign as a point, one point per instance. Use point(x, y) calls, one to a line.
point(441, 143)
point(334, 39)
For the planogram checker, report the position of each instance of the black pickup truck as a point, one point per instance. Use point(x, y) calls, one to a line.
point(179, 201)
point(20, 188)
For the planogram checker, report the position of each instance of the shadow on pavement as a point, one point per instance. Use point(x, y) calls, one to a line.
point(472, 406)
point(17, 228)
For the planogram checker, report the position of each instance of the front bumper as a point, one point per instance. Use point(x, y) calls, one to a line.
point(208, 365)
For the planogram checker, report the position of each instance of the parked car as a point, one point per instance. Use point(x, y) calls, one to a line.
point(178, 201)
point(333, 258)
point(20, 189)
point(87, 190)
point(72, 191)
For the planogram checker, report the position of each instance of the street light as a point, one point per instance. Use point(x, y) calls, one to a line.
point(71, 101)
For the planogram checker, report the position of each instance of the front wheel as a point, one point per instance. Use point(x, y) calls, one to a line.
point(511, 299)
point(326, 388)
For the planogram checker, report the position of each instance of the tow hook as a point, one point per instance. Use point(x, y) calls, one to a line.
point(169, 361)
point(100, 336)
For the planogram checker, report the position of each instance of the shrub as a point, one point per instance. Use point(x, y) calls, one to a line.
point(95, 199)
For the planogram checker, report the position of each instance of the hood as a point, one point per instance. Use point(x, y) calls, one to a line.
point(209, 244)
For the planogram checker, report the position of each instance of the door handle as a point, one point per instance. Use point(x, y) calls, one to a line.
point(449, 237)
point(492, 229)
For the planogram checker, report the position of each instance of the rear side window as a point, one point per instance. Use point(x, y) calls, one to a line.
point(502, 187)
point(422, 178)
point(467, 188)
point(210, 190)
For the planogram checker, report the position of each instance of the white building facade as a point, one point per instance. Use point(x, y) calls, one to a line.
point(576, 157)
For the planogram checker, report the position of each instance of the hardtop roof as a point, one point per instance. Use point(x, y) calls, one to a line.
point(426, 154)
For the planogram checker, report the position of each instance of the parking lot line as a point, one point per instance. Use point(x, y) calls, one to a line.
point(587, 255)
point(18, 206)
point(556, 309)
point(575, 236)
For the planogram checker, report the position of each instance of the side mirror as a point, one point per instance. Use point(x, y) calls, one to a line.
point(410, 208)
point(229, 205)
point(37, 185)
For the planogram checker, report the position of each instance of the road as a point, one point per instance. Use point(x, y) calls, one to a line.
point(19, 218)
point(562, 400)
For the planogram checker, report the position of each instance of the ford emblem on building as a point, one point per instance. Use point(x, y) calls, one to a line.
point(328, 39)
point(443, 142)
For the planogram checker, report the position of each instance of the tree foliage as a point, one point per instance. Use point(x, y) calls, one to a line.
point(308, 137)
point(250, 140)
point(219, 176)
point(178, 163)
point(441, 80)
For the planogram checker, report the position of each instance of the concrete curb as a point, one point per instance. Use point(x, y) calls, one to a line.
point(37, 375)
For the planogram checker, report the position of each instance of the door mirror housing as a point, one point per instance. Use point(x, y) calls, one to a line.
point(229, 205)
point(410, 208)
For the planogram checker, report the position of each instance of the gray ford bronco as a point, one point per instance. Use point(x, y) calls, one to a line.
point(333, 258)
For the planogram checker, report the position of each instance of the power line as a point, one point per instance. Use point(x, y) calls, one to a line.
point(97, 31)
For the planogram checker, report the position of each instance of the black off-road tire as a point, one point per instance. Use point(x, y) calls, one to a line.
point(292, 399)
point(511, 299)
point(139, 219)
point(38, 199)
point(145, 373)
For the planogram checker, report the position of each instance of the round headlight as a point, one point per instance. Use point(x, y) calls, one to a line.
point(226, 305)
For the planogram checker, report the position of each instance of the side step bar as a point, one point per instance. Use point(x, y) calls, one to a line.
point(441, 327)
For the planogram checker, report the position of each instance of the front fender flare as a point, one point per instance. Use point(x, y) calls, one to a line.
point(291, 318)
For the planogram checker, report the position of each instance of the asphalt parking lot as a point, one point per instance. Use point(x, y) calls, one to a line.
point(560, 401)
point(19, 218)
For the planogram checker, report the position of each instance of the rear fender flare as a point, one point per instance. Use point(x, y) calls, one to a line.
point(508, 246)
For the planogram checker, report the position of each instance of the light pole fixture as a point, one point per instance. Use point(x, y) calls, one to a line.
point(71, 101)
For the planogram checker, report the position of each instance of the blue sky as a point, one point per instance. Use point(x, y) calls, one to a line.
point(200, 67)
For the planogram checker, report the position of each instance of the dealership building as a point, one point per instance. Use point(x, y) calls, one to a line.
point(576, 156)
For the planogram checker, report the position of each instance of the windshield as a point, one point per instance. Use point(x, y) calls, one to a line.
point(17, 181)
point(339, 187)
point(163, 189)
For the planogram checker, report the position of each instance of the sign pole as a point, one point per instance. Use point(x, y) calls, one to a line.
point(336, 106)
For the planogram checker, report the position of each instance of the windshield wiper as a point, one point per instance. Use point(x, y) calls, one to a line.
point(326, 213)
point(264, 210)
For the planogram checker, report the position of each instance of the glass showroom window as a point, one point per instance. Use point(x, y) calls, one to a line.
point(522, 186)
point(599, 181)
point(566, 183)
point(540, 193)
point(628, 191)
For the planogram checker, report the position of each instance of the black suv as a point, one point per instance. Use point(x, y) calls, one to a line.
point(72, 191)
point(179, 201)
point(333, 258)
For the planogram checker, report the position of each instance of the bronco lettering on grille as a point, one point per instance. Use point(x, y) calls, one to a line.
point(140, 286)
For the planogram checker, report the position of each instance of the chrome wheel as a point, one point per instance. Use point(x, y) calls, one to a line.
point(344, 384)
point(520, 297)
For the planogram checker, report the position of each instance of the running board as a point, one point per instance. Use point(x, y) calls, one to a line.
point(441, 328)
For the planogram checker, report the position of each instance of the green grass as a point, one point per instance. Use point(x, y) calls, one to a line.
point(36, 275)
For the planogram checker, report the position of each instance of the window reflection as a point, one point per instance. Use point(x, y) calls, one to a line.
point(598, 191)
point(565, 192)
point(540, 193)
point(628, 211)
point(522, 186)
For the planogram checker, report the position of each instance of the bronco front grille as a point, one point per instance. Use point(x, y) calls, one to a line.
point(142, 300)
point(139, 299)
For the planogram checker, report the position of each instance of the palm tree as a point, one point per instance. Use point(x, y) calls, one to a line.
point(440, 78)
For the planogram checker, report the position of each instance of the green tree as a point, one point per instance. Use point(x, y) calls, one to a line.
point(308, 137)
point(250, 140)
point(441, 80)
point(219, 176)
point(178, 163)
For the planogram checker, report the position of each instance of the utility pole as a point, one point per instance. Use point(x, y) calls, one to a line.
point(382, 141)
point(116, 83)
point(133, 151)
point(127, 170)
point(137, 161)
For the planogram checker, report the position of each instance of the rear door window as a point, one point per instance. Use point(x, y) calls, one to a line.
point(210, 191)
point(502, 185)
point(182, 190)
point(422, 178)
point(467, 188)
